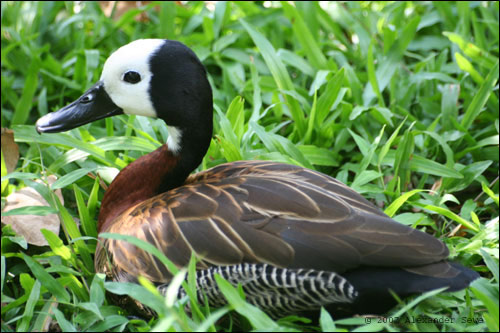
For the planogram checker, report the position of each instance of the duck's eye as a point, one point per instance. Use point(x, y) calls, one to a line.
point(131, 77)
point(87, 98)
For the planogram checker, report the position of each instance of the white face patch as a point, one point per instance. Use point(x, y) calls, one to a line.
point(174, 139)
point(133, 98)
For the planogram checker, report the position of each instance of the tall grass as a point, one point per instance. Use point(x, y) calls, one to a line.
point(398, 100)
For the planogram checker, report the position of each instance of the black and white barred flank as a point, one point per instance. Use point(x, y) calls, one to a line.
point(277, 291)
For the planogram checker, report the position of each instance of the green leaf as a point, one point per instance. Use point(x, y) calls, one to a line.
point(491, 264)
point(207, 324)
point(97, 289)
point(424, 165)
point(92, 203)
point(88, 225)
point(229, 150)
point(329, 96)
point(389, 64)
point(28, 134)
point(475, 53)
point(446, 148)
point(490, 193)
point(257, 98)
point(396, 204)
point(66, 325)
point(166, 23)
point(385, 148)
point(25, 103)
point(489, 141)
point(279, 73)
point(277, 143)
point(223, 42)
point(417, 300)
point(227, 129)
point(71, 177)
point(489, 297)
point(362, 144)
point(449, 214)
point(480, 98)
point(326, 322)
point(292, 59)
point(72, 229)
point(236, 116)
point(30, 210)
point(466, 66)
point(30, 307)
point(311, 122)
point(92, 307)
point(4, 171)
point(191, 291)
point(173, 288)
point(138, 292)
point(46, 279)
point(56, 244)
point(62, 80)
point(470, 173)
point(19, 175)
point(319, 156)
point(255, 316)
point(429, 76)
point(372, 77)
point(403, 158)
point(306, 39)
point(364, 177)
point(111, 321)
point(367, 159)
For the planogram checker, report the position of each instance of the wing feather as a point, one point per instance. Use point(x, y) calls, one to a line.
point(265, 212)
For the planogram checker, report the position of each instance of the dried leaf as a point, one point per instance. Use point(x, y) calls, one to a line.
point(29, 226)
point(10, 149)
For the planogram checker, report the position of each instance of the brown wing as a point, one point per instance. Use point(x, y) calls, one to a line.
point(257, 211)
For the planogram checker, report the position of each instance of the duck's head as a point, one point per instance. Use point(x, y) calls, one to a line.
point(147, 77)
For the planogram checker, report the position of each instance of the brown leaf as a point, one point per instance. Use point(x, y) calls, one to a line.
point(10, 149)
point(29, 226)
point(436, 186)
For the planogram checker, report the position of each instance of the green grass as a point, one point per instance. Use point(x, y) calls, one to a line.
point(398, 100)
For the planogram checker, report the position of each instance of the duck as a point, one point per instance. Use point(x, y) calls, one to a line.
point(294, 238)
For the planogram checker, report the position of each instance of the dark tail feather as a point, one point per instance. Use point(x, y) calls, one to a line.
point(373, 284)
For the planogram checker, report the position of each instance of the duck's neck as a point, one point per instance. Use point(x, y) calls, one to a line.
point(154, 173)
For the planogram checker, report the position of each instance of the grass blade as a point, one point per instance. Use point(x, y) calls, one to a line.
point(329, 96)
point(257, 317)
point(279, 72)
point(46, 279)
point(305, 37)
point(370, 66)
point(481, 97)
point(25, 103)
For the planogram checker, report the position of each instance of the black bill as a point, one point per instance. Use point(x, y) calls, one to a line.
point(94, 104)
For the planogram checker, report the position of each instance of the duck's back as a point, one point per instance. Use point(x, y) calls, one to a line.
point(295, 217)
point(272, 213)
